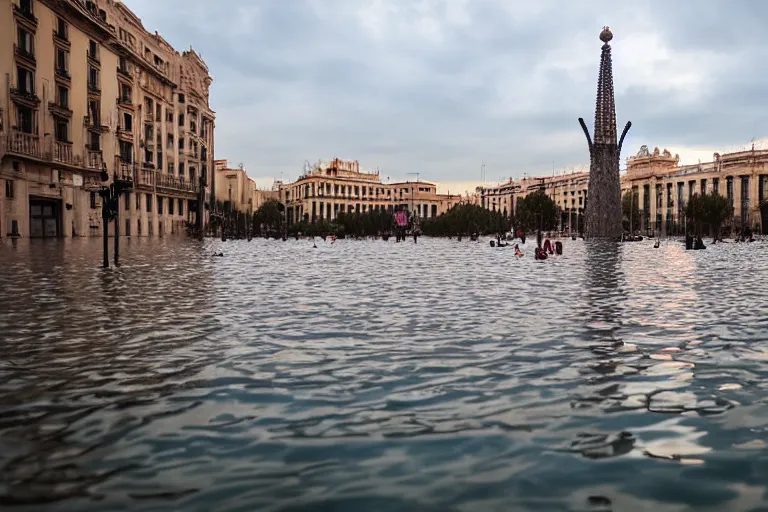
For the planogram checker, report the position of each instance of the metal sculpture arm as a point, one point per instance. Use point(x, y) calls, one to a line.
point(624, 134)
point(586, 133)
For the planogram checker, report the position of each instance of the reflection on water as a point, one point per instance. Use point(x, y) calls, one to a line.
point(381, 376)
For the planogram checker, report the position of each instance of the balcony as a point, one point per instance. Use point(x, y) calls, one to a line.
point(24, 144)
point(27, 16)
point(63, 74)
point(93, 88)
point(173, 183)
point(59, 109)
point(62, 39)
point(125, 101)
point(25, 55)
point(62, 152)
point(124, 169)
point(25, 97)
point(94, 159)
point(124, 73)
point(93, 57)
point(124, 134)
point(148, 118)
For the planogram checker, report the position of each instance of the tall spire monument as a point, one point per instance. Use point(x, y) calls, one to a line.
point(603, 215)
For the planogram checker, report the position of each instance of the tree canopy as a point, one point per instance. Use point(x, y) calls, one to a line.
point(708, 209)
point(464, 219)
point(630, 210)
point(536, 211)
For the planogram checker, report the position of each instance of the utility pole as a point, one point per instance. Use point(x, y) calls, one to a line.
point(110, 208)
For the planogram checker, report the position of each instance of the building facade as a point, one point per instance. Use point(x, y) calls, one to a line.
point(235, 190)
point(660, 187)
point(88, 89)
point(329, 188)
point(568, 191)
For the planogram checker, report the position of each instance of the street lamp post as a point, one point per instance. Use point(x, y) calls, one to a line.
point(110, 208)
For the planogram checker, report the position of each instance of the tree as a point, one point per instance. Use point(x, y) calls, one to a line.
point(537, 210)
point(630, 210)
point(710, 209)
point(269, 214)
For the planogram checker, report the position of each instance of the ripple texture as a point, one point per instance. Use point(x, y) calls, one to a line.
point(383, 376)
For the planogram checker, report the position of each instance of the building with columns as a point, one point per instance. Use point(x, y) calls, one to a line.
point(660, 186)
point(339, 186)
point(88, 89)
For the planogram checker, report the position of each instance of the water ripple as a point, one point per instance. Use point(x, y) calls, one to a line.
point(371, 375)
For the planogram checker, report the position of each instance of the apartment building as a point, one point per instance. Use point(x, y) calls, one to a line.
point(89, 89)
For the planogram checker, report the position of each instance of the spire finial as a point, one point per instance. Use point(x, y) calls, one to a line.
point(606, 35)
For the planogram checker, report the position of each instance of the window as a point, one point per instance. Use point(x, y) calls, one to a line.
point(181, 207)
point(126, 152)
point(25, 41)
point(170, 141)
point(170, 168)
point(125, 93)
point(93, 50)
point(61, 59)
point(61, 29)
point(148, 156)
point(24, 119)
point(159, 160)
point(25, 80)
point(149, 203)
point(138, 204)
point(123, 64)
point(181, 169)
point(181, 119)
point(63, 96)
point(159, 205)
point(62, 130)
point(94, 141)
point(93, 200)
point(170, 116)
point(9, 189)
point(181, 98)
point(127, 122)
point(715, 185)
point(158, 112)
point(93, 78)
point(170, 206)
point(181, 143)
point(26, 6)
point(94, 108)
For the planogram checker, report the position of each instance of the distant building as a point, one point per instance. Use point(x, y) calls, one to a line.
point(87, 88)
point(237, 191)
point(660, 186)
point(329, 188)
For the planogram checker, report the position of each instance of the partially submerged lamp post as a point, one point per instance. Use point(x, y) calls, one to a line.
point(110, 208)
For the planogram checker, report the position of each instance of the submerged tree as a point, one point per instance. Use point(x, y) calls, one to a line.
point(708, 209)
point(464, 219)
point(630, 211)
point(536, 211)
point(269, 215)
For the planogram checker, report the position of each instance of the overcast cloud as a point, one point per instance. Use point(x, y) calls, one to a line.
point(438, 87)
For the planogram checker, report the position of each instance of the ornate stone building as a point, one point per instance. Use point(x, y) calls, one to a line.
point(329, 188)
point(89, 89)
point(661, 188)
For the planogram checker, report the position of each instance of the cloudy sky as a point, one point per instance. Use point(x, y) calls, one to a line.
point(439, 87)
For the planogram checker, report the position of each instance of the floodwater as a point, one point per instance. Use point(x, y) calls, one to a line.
point(383, 376)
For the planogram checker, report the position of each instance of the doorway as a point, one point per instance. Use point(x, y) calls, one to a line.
point(44, 218)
